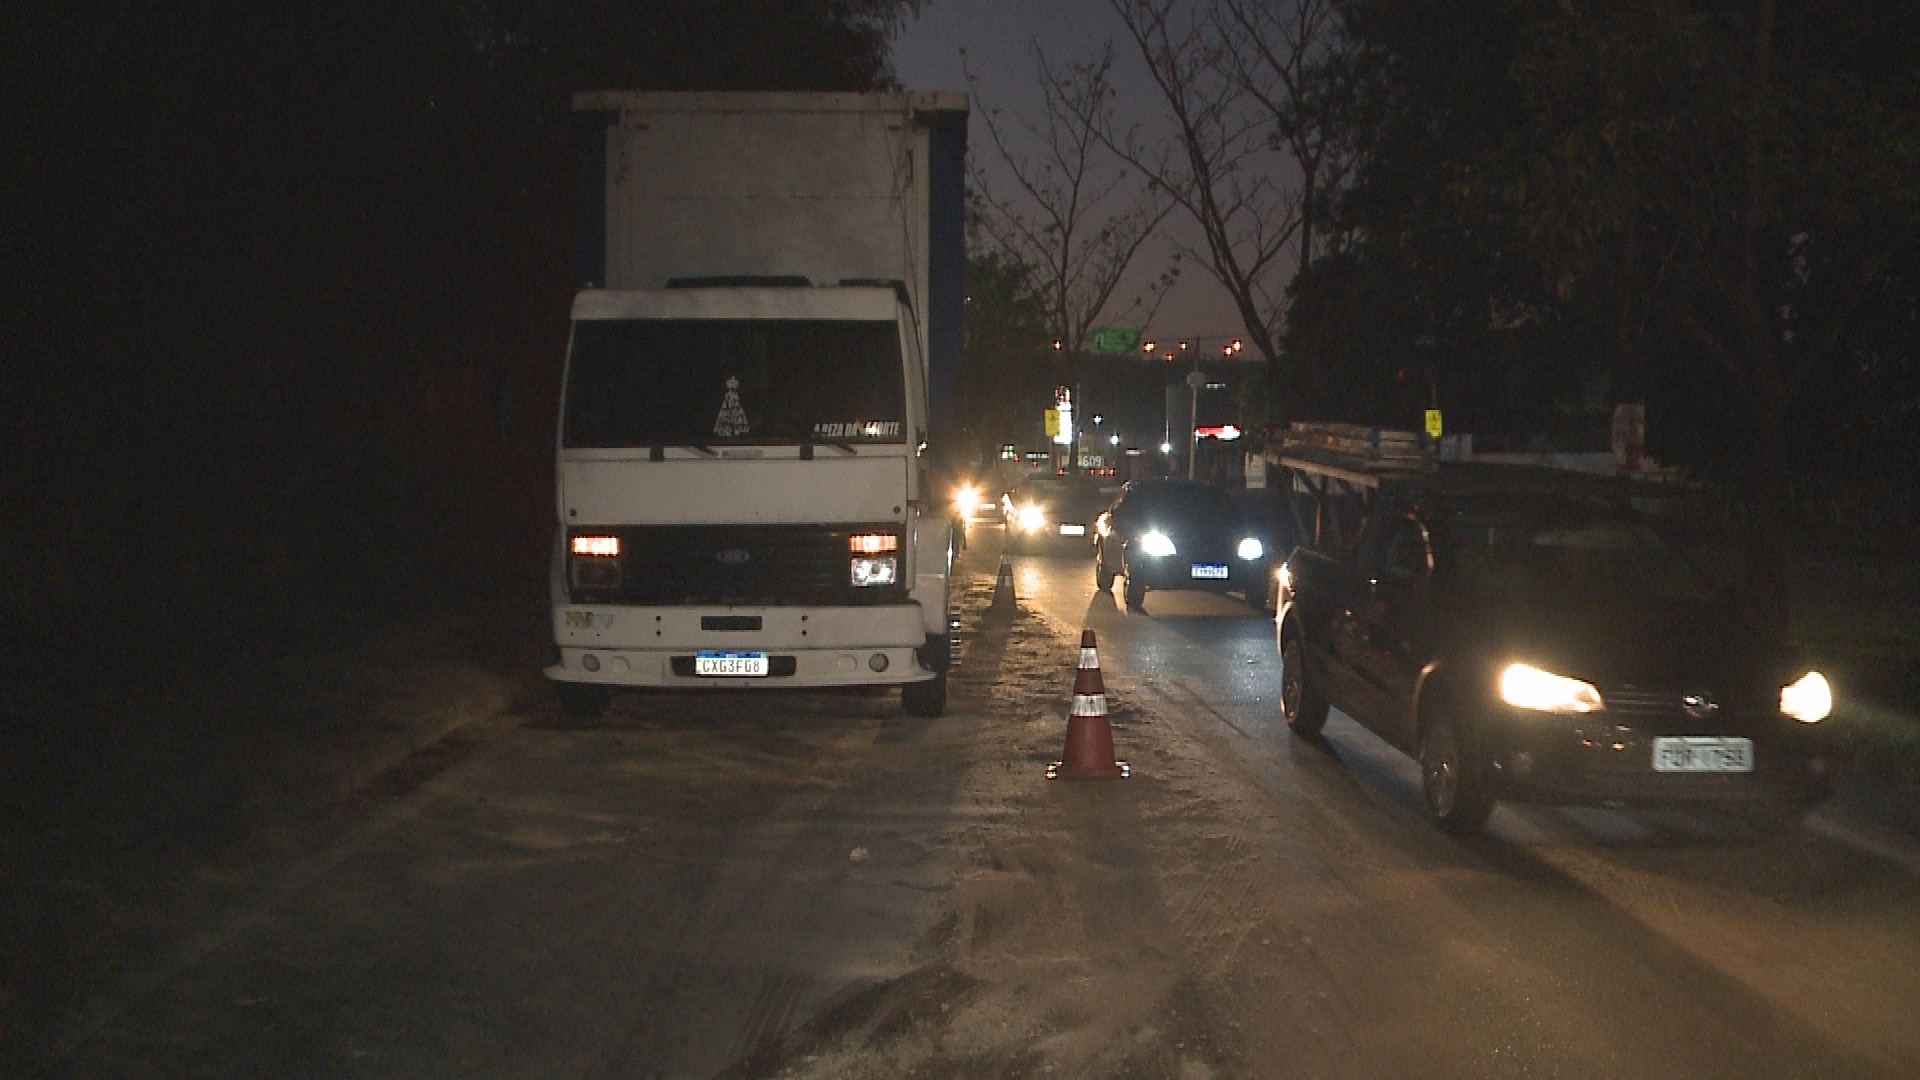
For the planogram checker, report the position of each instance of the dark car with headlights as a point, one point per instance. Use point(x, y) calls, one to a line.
point(1535, 635)
point(1053, 514)
point(1178, 534)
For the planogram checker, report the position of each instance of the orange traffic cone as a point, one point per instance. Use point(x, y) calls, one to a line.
point(1089, 753)
point(1003, 586)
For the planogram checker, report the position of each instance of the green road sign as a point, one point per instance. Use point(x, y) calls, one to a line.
point(1113, 339)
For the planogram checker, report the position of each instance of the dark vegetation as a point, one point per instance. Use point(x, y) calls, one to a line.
point(285, 300)
point(1708, 207)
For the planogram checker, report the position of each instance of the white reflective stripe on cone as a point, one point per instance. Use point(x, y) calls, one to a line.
point(1089, 705)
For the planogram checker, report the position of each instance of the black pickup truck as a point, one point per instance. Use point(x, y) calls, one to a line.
point(1538, 635)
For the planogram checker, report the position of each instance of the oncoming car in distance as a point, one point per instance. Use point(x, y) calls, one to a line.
point(1537, 635)
point(1179, 534)
point(974, 503)
point(1052, 513)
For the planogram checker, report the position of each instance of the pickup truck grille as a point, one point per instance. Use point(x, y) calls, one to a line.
point(743, 565)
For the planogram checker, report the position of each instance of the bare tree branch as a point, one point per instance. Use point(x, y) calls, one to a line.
point(1076, 218)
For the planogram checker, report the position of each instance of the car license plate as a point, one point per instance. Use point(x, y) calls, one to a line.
point(1703, 754)
point(1210, 571)
point(1073, 530)
point(729, 664)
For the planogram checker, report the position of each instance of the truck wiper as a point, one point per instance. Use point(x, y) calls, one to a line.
point(806, 448)
point(658, 451)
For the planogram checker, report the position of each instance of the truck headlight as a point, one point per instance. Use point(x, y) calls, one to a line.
point(593, 561)
point(874, 570)
point(1156, 543)
point(1526, 687)
point(1031, 518)
point(873, 559)
point(1251, 548)
point(1809, 700)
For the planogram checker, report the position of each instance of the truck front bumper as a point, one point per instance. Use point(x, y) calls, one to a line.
point(802, 647)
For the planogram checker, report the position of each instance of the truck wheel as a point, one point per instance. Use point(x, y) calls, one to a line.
point(584, 701)
point(1300, 703)
point(1102, 573)
point(1451, 776)
point(928, 699)
point(1136, 592)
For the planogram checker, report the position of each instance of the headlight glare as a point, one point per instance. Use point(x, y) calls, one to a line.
point(874, 570)
point(966, 500)
point(1809, 700)
point(1526, 687)
point(1156, 543)
point(1251, 548)
point(1031, 518)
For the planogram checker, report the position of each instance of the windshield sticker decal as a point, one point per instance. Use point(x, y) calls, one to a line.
point(858, 429)
point(732, 420)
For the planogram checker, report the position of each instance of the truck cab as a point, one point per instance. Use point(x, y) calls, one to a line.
point(769, 312)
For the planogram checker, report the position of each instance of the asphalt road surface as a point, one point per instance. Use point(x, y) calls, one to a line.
point(815, 885)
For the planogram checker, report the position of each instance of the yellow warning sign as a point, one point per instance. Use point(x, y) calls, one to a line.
point(1433, 423)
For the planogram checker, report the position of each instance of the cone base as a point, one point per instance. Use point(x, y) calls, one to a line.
point(1060, 770)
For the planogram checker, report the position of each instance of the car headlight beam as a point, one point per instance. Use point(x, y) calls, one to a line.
point(1809, 700)
point(1251, 548)
point(1156, 543)
point(1524, 686)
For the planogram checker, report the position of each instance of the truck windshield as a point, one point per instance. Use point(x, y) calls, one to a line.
point(701, 382)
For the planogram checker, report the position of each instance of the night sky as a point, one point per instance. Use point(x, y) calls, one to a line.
point(999, 37)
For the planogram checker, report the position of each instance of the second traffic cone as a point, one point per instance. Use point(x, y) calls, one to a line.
point(1003, 586)
point(1089, 753)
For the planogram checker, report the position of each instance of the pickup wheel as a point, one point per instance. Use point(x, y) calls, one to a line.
point(1300, 703)
point(1102, 573)
point(927, 699)
point(1136, 592)
point(584, 701)
point(1451, 774)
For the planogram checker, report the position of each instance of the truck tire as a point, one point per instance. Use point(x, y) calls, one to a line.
point(1136, 592)
point(927, 699)
point(1301, 704)
point(584, 701)
point(1102, 573)
point(1452, 776)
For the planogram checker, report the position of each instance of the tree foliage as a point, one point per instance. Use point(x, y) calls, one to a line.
point(1007, 377)
point(1710, 206)
point(286, 289)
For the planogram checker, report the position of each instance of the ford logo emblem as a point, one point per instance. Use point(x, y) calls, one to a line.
point(1700, 706)
point(733, 556)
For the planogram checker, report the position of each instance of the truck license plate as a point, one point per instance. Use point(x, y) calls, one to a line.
point(1703, 754)
point(730, 664)
point(1210, 571)
point(1073, 530)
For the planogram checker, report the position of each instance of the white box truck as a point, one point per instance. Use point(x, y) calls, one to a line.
point(768, 321)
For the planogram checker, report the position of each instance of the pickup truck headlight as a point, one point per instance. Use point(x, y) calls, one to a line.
point(1156, 543)
point(1809, 700)
point(1251, 548)
point(1031, 518)
point(1526, 687)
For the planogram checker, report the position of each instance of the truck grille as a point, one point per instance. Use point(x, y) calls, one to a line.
point(740, 565)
